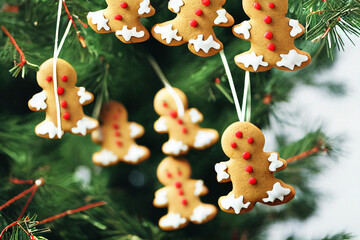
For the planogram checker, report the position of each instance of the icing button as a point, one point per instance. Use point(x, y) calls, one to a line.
point(119, 143)
point(239, 134)
point(60, 90)
point(267, 20)
point(178, 184)
point(64, 78)
point(184, 202)
point(271, 5)
point(198, 12)
point(257, 6)
point(115, 126)
point(205, 2)
point(117, 134)
point(48, 79)
point(66, 116)
point(181, 192)
point(271, 47)
point(246, 155)
point(250, 140)
point(193, 23)
point(184, 130)
point(269, 35)
point(249, 169)
point(179, 121)
point(123, 5)
point(252, 181)
point(168, 175)
point(63, 104)
point(118, 17)
point(233, 144)
point(173, 114)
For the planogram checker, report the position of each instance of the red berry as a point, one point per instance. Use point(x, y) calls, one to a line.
point(267, 20)
point(271, 47)
point(271, 5)
point(115, 126)
point(198, 12)
point(184, 202)
point(205, 2)
point(246, 155)
point(252, 181)
point(119, 143)
point(178, 184)
point(66, 116)
point(250, 140)
point(257, 6)
point(233, 144)
point(239, 134)
point(249, 169)
point(123, 5)
point(64, 78)
point(63, 104)
point(269, 35)
point(118, 17)
point(60, 90)
point(173, 114)
point(193, 23)
point(48, 79)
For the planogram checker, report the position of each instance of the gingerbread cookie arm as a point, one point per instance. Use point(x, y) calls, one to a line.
point(98, 22)
point(200, 188)
point(38, 102)
point(136, 130)
point(160, 125)
point(175, 5)
point(167, 34)
point(224, 19)
point(296, 28)
point(161, 199)
point(97, 136)
point(242, 30)
point(195, 115)
point(145, 9)
point(222, 172)
point(276, 164)
point(84, 96)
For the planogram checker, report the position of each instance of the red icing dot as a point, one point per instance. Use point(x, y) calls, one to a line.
point(184, 202)
point(184, 130)
point(165, 105)
point(193, 23)
point(119, 143)
point(118, 17)
point(205, 2)
point(178, 184)
point(63, 104)
point(269, 35)
point(250, 140)
point(179, 121)
point(239, 134)
point(198, 12)
point(60, 90)
point(257, 6)
point(271, 5)
point(115, 126)
point(123, 5)
point(64, 78)
point(116, 116)
point(66, 116)
point(252, 181)
point(233, 144)
point(249, 169)
point(246, 155)
point(271, 47)
point(168, 175)
point(117, 134)
point(173, 114)
point(181, 192)
point(48, 79)
point(179, 173)
point(267, 20)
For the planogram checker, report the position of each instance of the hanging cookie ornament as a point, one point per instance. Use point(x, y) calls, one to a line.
point(251, 171)
point(181, 195)
point(272, 38)
point(123, 18)
point(184, 131)
point(117, 135)
point(194, 24)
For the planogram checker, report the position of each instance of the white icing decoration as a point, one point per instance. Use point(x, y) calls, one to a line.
point(175, 5)
point(235, 203)
point(253, 60)
point(173, 220)
point(195, 116)
point(160, 197)
point(84, 96)
point(47, 127)
point(175, 147)
point(83, 125)
point(135, 130)
point(221, 18)
point(220, 170)
point(199, 187)
point(244, 29)
point(204, 45)
point(201, 213)
point(105, 157)
point(38, 101)
point(296, 27)
point(160, 125)
point(97, 18)
point(278, 192)
point(134, 154)
point(144, 7)
point(291, 60)
point(203, 138)
point(129, 33)
point(167, 33)
point(275, 162)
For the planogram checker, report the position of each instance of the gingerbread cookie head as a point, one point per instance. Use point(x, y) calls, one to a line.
point(172, 170)
point(113, 111)
point(164, 102)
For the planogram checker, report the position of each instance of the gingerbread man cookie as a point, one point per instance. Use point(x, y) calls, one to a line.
point(194, 24)
point(63, 108)
point(123, 18)
point(184, 133)
point(181, 195)
point(117, 137)
point(272, 38)
point(251, 171)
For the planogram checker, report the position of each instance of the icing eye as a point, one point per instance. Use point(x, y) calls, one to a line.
point(239, 134)
point(48, 79)
point(250, 140)
point(271, 5)
point(165, 105)
point(173, 114)
point(123, 5)
point(178, 184)
point(115, 126)
point(64, 78)
point(168, 175)
point(257, 6)
point(198, 12)
point(233, 145)
point(179, 173)
point(205, 2)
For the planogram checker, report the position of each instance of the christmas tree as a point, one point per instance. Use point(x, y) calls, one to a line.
point(59, 176)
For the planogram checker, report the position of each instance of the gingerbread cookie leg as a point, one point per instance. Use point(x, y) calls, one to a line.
point(205, 45)
point(235, 204)
point(136, 154)
point(47, 129)
point(105, 158)
point(172, 221)
point(203, 213)
point(84, 126)
point(175, 147)
point(279, 194)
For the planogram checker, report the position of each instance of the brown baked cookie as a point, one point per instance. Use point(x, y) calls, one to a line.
point(251, 171)
point(123, 18)
point(64, 107)
point(184, 133)
point(117, 137)
point(272, 38)
point(181, 195)
point(194, 24)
